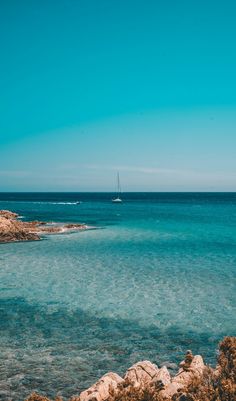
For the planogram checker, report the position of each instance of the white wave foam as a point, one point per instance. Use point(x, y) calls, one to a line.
point(42, 203)
point(63, 203)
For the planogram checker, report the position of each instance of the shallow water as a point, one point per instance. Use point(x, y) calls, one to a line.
point(156, 278)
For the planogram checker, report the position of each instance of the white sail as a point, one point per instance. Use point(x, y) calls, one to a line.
point(118, 198)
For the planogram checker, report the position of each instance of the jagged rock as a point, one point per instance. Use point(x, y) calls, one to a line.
point(12, 230)
point(8, 214)
point(209, 383)
point(185, 365)
point(197, 365)
point(162, 378)
point(184, 376)
point(169, 390)
point(102, 389)
point(141, 373)
point(195, 370)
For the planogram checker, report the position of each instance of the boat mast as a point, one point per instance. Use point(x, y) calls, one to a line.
point(118, 184)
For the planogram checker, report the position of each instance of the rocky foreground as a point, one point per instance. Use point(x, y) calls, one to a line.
point(144, 381)
point(12, 229)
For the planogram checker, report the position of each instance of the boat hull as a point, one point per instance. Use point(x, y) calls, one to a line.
point(117, 200)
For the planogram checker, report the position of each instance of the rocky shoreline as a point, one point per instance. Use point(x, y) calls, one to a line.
point(144, 381)
point(13, 230)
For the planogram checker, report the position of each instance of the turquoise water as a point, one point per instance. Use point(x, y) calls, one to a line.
point(156, 277)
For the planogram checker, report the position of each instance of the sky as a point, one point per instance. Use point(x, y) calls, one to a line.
point(92, 87)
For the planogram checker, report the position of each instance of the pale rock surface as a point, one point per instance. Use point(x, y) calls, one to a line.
point(169, 390)
point(184, 377)
point(102, 389)
point(195, 370)
point(162, 377)
point(141, 373)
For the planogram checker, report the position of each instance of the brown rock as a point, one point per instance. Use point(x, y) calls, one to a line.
point(74, 226)
point(185, 365)
point(34, 223)
point(161, 379)
point(169, 390)
point(102, 389)
point(195, 369)
point(8, 214)
point(141, 374)
point(184, 377)
point(37, 397)
point(50, 230)
point(12, 230)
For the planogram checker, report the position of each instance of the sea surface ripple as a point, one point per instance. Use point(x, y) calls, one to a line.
point(156, 278)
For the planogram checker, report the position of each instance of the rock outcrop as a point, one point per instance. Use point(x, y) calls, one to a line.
point(141, 374)
point(8, 214)
point(102, 390)
point(145, 382)
point(190, 369)
point(161, 379)
point(12, 229)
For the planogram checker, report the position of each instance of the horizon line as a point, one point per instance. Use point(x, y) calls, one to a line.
point(111, 192)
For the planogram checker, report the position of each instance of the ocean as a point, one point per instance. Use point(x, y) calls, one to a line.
point(153, 278)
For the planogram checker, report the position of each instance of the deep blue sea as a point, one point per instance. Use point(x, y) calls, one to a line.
point(156, 277)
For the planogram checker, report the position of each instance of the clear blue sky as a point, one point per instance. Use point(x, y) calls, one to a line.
point(89, 87)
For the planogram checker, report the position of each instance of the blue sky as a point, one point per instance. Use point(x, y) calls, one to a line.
point(90, 87)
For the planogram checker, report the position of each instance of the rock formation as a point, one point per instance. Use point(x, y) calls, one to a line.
point(144, 381)
point(12, 229)
point(106, 387)
point(161, 379)
point(141, 374)
point(190, 369)
point(8, 214)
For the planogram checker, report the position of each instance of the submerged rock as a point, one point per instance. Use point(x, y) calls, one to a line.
point(71, 225)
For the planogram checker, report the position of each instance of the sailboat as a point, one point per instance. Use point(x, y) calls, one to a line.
point(118, 198)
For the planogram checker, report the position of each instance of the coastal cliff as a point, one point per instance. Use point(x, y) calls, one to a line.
point(13, 230)
point(144, 381)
